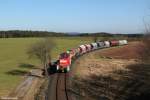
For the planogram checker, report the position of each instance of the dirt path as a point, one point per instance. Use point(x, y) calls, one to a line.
point(28, 88)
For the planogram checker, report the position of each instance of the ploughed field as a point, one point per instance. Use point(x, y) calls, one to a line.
point(115, 73)
point(14, 61)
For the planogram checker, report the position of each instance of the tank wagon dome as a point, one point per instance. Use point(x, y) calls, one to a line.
point(94, 45)
point(123, 42)
point(82, 48)
point(88, 47)
point(107, 43)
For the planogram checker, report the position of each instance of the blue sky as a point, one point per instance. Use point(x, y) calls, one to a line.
point(116, 16)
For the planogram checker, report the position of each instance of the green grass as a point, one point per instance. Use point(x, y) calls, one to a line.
point(13, 55)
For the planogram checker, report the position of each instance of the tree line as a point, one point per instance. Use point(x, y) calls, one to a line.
point(104, 34)
point(19, 33)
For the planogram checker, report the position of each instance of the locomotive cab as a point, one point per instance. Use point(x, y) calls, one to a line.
point(64, 62)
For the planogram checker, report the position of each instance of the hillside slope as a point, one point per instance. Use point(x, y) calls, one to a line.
point(112, 74)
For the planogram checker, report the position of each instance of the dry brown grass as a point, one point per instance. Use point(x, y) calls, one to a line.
point(111, 79)
point(146, 51)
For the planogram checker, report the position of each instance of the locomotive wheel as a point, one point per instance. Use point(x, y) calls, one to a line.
point(65, 70)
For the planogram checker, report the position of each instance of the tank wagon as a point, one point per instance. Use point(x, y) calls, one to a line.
point(65, 58)
point(107, 44)
point(94, 46)
point(100, 44)
point(114, 43)
point(82, 49)
point(88, 47)
point(123, 42)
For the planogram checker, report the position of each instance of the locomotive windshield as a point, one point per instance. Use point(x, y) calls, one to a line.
point(64, 55)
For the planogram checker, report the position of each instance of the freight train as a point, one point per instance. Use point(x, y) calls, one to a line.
point(65, 59)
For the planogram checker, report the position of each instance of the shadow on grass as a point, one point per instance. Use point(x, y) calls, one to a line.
point(120, 85)
point(17, 72)
point(29, 66)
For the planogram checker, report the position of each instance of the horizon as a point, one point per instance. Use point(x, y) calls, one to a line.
point(75, 16)
point(72, 33)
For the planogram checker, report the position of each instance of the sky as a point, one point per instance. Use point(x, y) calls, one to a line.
point(115, 16)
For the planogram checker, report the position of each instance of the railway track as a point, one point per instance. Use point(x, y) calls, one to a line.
point(57, 89)
point(61, 87)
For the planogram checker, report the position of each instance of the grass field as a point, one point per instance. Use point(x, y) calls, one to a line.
point(14, 61)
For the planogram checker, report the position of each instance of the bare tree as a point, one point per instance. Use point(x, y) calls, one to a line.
point(42, 51)
point(146, 40)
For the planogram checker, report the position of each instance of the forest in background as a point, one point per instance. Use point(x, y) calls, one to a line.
point(19, 33)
